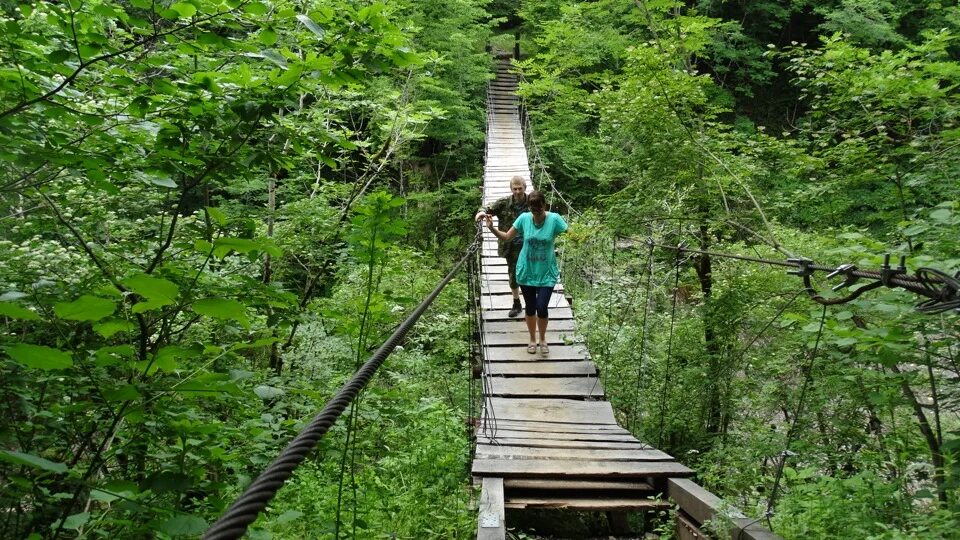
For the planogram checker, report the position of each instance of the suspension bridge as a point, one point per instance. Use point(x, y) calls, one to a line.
point(545, 438)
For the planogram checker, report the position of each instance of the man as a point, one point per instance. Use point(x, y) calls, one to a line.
point(507, 210)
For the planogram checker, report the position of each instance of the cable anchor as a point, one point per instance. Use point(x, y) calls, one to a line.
point(849, 279)
point(887, 273)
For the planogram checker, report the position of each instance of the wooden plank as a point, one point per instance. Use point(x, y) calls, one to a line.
point(521, 338)
point(543, 369)
point(505, 301)
point(556, 410)
point(518, 353)
point(519, 325)
point(561, 428)
point(544, 387)
point(702, 506)
point(501, 314)
point(575, 485)
point(594, 454)
point(491, 433)
point(491, 522)
point(566, 427)
point(606, 504)
point(686, 529)
point(555, 443)
point(559, 468)
point(502, 288)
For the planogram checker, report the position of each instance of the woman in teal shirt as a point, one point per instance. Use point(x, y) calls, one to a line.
point(537, 270)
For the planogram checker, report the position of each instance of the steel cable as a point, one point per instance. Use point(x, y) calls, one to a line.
point(243, 512)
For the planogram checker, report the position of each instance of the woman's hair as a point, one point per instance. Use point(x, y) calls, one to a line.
point(536, 201)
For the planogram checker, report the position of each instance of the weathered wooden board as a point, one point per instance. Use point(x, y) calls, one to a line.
point(703, 506)
point(519, 325)
point(553, 410)
point(523, 387)
point(541, 369)
point(503, 288)
point(491, 521)
point(506, 301)
point(565, 427)
point(605, 504)
point(501, 314)
point(576, 485)
point(559, 443)
point(521, 338)
point(518, 353)
point(560, 468)
point(496, 434)
point(485, 451)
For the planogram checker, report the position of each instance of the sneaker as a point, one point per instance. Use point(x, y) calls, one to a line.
point(515, 310)
point(544, 349)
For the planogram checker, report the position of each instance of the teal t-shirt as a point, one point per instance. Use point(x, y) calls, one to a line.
point(537, 264)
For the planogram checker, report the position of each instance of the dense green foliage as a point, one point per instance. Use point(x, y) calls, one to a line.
point(824, 129)
point(211, 211)
point(198, 247)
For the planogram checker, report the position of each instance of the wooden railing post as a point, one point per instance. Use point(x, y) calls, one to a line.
point(698, 506)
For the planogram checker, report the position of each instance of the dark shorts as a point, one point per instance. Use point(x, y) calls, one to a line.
point(536, 300)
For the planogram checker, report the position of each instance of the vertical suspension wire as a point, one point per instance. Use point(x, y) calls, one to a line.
point(635, 416)
point(792, 431)
point(489, 420)
point(471, 350)
point(667, 366)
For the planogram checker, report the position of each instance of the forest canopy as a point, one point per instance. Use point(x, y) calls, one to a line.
point(212, 211)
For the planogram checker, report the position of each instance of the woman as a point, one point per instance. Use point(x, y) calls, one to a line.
point(537, 270)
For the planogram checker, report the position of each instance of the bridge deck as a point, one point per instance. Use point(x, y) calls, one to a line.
point(546, 437)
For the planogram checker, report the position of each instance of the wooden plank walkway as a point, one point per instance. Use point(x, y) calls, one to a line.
point(546, 438)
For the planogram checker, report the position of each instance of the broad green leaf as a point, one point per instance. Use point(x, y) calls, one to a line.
point(256, 8)
point(126, 392)
point(268, 37)
point(942, 215)
point(85, 308)
point(217, 215)
point(16, 312)
point(157, 292)
point(256, 344)
point(37, 462)
point(184, 525)
point(39, 356)
point(184, 9)
point(312, 26)
point(288, 516)
point(162, 181)
point(268, 392)
point(221, 308)
point(112, 327)
point(75, 521)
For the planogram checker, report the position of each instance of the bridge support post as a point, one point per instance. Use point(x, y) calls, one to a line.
point(492, 520)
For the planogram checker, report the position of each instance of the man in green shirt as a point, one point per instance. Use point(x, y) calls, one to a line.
point(507, 210)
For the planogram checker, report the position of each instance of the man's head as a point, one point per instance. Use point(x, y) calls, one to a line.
point(518, 187)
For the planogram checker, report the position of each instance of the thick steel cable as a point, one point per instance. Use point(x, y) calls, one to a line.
point(243, 512)
point(922, 284)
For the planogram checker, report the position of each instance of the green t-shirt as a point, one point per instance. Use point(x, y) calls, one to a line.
point(537, 265)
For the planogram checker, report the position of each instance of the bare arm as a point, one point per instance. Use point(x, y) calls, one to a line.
point(505, 236)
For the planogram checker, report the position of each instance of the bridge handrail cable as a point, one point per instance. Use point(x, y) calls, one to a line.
point(244, 511)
